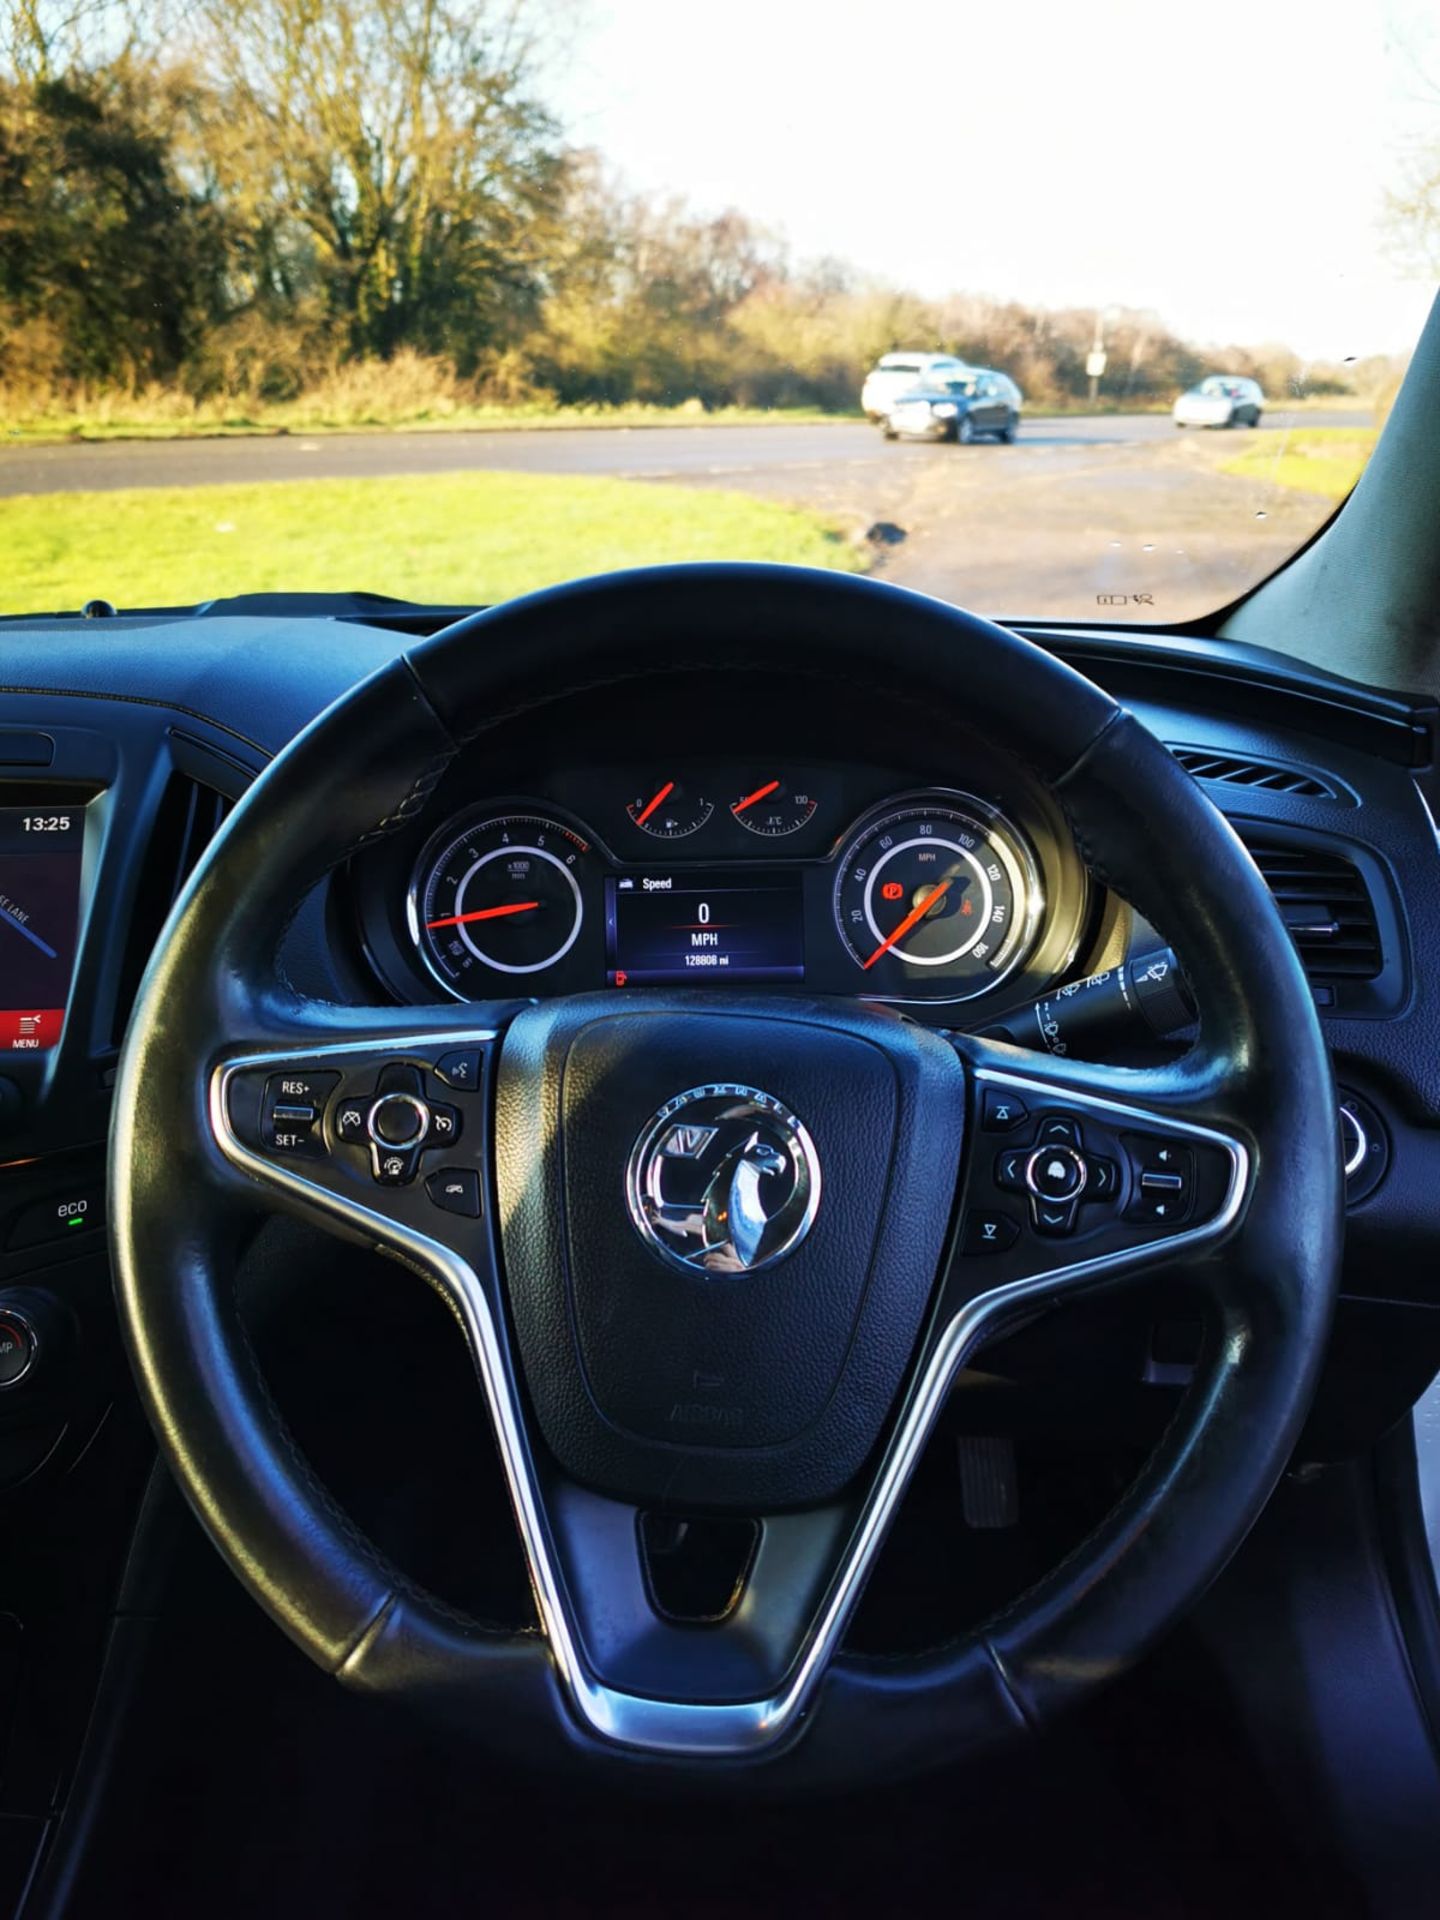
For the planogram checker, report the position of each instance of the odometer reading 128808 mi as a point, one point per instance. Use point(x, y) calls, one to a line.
point(936, 901)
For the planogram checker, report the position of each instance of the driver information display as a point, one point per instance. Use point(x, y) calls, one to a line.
point(40, 851)
point(665, 927)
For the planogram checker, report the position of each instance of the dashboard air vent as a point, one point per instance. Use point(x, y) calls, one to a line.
point(1324, 901)
point(185, 820)
point(1268, 775)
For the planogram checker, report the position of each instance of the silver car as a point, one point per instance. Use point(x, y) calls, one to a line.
point(1221, 400)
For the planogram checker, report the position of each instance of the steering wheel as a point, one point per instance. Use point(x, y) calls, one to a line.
point(775, 1355)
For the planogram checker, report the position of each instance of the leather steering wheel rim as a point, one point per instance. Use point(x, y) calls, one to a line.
point(365, 767)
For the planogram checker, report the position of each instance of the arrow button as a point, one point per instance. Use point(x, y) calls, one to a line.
point(988, 1231)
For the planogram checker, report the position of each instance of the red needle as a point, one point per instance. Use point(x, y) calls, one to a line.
point(663, 795)
point(915, 914)
point(485, 913)
point(760, 793)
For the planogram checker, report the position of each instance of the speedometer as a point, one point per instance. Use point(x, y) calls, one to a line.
point(937, 899)
point(501, 895)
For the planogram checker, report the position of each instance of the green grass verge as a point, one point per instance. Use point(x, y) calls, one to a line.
point(1321, 460)
point(468, 537)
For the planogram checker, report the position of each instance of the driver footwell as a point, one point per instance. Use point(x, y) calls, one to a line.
point(244, 1782)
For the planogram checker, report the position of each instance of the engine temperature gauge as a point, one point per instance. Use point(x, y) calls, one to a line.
point(774, 807)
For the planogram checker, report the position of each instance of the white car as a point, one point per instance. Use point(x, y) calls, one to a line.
point(896, 373)
point(1221, 400)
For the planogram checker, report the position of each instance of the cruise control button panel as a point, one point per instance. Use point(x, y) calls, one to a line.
point(369, 1120)
point(1071, 1183)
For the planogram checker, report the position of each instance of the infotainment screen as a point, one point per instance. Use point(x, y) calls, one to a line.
point(664, 927)
point(40, 856)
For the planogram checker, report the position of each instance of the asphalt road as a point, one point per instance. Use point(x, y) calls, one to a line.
point(1101, 518)
point(734, 455)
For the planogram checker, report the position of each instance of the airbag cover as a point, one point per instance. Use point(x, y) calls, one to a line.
point(749, 1386)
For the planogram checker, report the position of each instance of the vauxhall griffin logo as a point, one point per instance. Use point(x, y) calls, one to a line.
point(723, 1179)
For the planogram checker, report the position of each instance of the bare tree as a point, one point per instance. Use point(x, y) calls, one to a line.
point(1412, 211)
point(46, 38)
point(395, 146)
point(1412, 206)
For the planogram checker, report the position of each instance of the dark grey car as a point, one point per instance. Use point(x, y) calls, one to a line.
point(963, 407)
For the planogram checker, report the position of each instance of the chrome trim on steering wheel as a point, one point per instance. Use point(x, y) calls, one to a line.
point(684, 1728)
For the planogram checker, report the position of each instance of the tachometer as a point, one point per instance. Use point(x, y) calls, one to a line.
point(936, 900)
point(502, 894)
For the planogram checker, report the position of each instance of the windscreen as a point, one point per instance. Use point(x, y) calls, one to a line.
point(451, 302)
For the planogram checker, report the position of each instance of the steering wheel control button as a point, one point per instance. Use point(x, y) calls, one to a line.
point(1002, 1112)
point(444, 1126)
point(1162, 1183)
point(1053, 1216)
point(1010, 1168)
point(455, 1190)
point(1059, 1129)
point(460, 1069)
point(987, 1231)
point(398, 1120)
point(1102, 1178)
point(349, 1120)
point(398, 1076)
point(1055, 1174)
point(1164, 1158)
point(1157, 1210)
point(395, 1166)
point(292, 1104)
point(18, 1347)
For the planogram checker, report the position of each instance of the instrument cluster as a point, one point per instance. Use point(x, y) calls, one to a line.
point(728, 877)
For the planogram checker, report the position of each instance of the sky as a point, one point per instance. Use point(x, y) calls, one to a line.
point(1221, 164)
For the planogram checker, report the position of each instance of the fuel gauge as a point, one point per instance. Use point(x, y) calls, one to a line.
point(669, 810)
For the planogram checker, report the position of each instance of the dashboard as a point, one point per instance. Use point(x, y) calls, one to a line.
point(796, 835)
point(726, 873)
